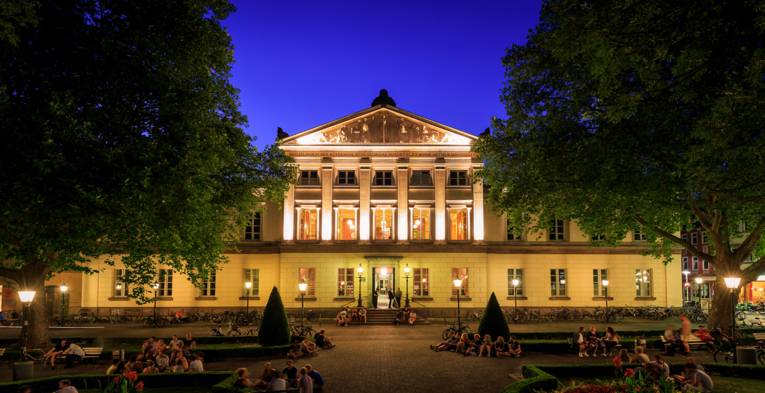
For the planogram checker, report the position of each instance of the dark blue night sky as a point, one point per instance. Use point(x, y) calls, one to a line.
point(303, 63)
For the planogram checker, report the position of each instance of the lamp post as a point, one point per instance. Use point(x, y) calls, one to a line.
point(686, 284)
point(515, 282)
point(605, 292)
point(64, 289)
point(302, 287)
point(407, 270)
point(247, 287)
point(732, 283)
point(156, 289)
point(698, 281)
point(458, 284)
point(26, 298)
point(360, 270)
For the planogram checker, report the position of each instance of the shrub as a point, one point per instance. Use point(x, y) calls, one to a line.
point(274, 329)
point(535, 380)
point(493, 321)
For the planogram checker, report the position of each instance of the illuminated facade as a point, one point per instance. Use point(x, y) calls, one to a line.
point(384, 190)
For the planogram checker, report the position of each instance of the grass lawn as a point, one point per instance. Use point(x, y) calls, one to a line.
point(722, 384)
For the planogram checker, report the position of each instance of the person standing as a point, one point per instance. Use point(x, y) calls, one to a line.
point(390, 296)
point(685, 333)
point(398, 297)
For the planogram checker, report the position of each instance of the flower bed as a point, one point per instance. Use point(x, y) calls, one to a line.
point(101, 381)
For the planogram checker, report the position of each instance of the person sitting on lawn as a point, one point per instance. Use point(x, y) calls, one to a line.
point(703, 334)
point(74, 354)
point(659, 369)
point(501, 348)
point(65, 386)
point(150, 368)
point(363, 314)
point(322, 341)
point(515, 347)
point(243, 379)
point(462, 344)
point(265, 376)
point(695, 379)
point(640, 357)
point(305, 383)
point(610, 341)
point(486, 346)
point(342, 318)
point(308, 347)
point(55, 352)
point(593, 341)
point(162, 361)
point(196, 365)
point(318, 381)
point(475, 345)
point(291, 372)
point(412, 317)
point(278, 382)
point(449, 344)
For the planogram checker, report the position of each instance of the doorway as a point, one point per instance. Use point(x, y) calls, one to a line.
point(384, 285)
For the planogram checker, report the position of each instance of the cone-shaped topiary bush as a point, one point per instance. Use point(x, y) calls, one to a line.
point(274, 329)
point(493, 321)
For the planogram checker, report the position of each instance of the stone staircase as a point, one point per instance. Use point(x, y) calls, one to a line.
point(381, 316)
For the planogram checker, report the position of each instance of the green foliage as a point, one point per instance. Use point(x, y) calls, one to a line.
point(128, 143)
point(637, 114)
point(274, 328)
point(535, 380)
point(493, 321)
point(98, 381)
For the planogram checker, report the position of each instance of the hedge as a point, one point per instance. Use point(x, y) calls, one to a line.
point(493, 321)
point(99, 381)
point(226, 385)
point(534, 380)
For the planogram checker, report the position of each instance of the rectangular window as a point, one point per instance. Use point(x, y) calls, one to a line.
point(512, 233)
point(383, 223)
point(459, 223)
point(345, 281)
point(458, 178)
point(461, 273)
point(253, 226)
point(638, 235)
point(684, 236)
point(694, 237)
point(685, 263)
point(120, 283)
point(705, 264)
point(208, 285)
point(704, 290)
point(695, 264)
point(421, 223)
point(308, 275)
point(704, 238)
point(598, 238)
point(383, 178)
point(308, 224)
point(421, 284)
point(165, 282)
point(253, 277)
point(557, 230)
point(557, 282)
point(644, 282)
point(309, 178)
point(514, 274)
point(346, 178)
point(598, 275)
point(345, 224)
point(421, 178)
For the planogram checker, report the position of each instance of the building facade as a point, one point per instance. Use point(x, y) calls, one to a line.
point(388, 200)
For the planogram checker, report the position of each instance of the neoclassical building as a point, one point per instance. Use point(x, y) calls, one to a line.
point(393, 195)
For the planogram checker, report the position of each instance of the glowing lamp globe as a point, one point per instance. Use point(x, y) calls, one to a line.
point(27, 297)
point(732, 282)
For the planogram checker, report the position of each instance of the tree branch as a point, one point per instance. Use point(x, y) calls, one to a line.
point(748, 244)
point(690, 247)
point(755, 269)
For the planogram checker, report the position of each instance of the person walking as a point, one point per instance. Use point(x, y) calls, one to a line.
point(398, 297)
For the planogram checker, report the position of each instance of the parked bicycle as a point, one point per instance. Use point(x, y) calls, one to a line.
point(452, 329)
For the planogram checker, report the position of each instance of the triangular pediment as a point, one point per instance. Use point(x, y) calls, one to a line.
point(382, 125)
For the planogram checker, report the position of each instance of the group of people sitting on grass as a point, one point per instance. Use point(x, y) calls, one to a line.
point(64, 386)
point(306, 347)
point(693, 378)
point(306, 379)
point(405, 316)
point(590, 343)
point(70, 351)
point(474, 345)
point(176, 356)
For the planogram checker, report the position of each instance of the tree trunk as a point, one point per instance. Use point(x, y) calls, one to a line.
point(721, 312)
point(37, 330)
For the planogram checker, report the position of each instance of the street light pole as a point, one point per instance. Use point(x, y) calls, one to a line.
point(515, 282)
point(686, 284)
point(64, 289)
point(248, 287)
point(302, 287)
point(156, 289)
point(699, 281)
point(407, 270)
point(26, 298)
point(605, 292)
point(458, 284)
point(732, 284)
point(360, 270)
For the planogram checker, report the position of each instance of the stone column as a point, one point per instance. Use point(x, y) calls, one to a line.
point(327, 177)
point(478, 224)
point(288, 226)
point(402, 181)
point(439, 182)
point(365, 173)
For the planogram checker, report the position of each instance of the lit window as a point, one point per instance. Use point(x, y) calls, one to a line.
point(458, 178)
point(309, 178)
point(253, 226)
point(421, 178)
point(557, 230)
point(420, 223)
point(643, 282)
point(345, 281)
point(421, 284)
point(383, 178)
point(208, 285)
point(558, 282)
point(383, 217)
point(459, 223)
point(514, 274)
point(345, 228)
point(308, 275)
point(252, 276)
point(120, 283)
point(598, 275)
point(308, 224)
point(346, 178)
point(165, 282)
point(461, 273)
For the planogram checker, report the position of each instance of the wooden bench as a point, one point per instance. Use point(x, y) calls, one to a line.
point(693, 342)
point(92, 352)
point(758, 337)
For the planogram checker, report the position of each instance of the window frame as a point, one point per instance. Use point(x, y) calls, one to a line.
point(252, 275)
point(558, 282)
point(514, 272)
point(392, 224)
point(638, 235)
point(120, 277)
point(468, 222)
point(209, 285)
point(299, 226)
point(643, 289)
point(345, 287)
point(387, 177)
point(598, 275)
point(430, 223)
point(462, 273)
point(165, 281)
point(460, 178)
point(347, 177)
point(421, 282)
point(338, 228)
point(253, 230)
point(420, 177)
point(308, 275)
point(310, 179)
point(557, 231)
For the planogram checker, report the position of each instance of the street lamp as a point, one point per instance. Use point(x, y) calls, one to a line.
point(732, 283)
point(458, 284)
point(407, 270)
point(302, 287)
point(247, 287)
point(360, 270)
point(26, 298)
point(64, 289)
point(698, 281)
point(156, 289)
point(686, 285)
point(605, 292)
point(515, 282)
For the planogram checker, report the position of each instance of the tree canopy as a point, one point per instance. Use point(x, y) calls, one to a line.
point(643, 114)
point(122, 135)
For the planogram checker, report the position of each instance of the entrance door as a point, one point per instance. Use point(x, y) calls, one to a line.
point(384, 285)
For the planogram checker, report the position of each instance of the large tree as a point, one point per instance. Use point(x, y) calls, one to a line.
point(122, 136)
point(639, 114)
